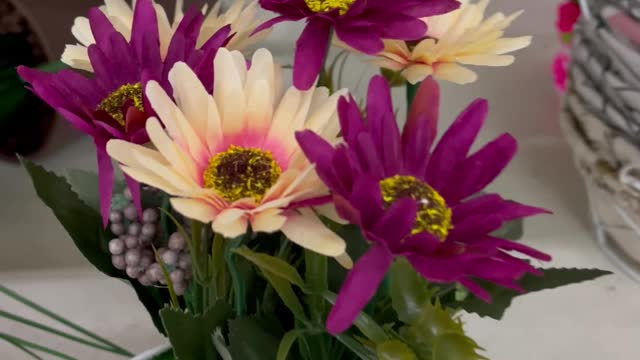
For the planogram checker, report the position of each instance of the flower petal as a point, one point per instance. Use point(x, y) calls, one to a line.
point(358, 288)
point(194, 209)
point(306, 230)
point(311, 49)
point(268, 221)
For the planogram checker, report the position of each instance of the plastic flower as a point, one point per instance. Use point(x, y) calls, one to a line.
point(415, 202)
point(462, 37)
point(361, 24)
point(232, 159)
point(241, 16)
point(568, 15)
point(111, 104)
point(560, 67)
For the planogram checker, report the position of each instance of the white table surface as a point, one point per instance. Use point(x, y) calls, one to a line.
point(593, 321)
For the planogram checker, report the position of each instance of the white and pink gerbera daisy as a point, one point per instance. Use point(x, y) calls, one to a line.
point(232, 158)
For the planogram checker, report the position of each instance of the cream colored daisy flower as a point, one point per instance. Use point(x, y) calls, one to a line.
point(242, 16)
point(232, 158)
point(462, 37)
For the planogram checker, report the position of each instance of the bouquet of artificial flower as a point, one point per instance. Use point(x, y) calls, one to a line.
point(256, 221)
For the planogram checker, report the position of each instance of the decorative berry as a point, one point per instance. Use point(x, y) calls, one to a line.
point(177, 276)
point(115, 217)
point(131, 241)
point(148, 230)
point(150, 215)
point(176, 241)
point(117, 229)
point(130, 212)
point(134, 229)
point(170, 257)
point(145, 280)
point(133, 272)
point(132, 257)
point(118, 262)
point(116, 246)
point(127, 194)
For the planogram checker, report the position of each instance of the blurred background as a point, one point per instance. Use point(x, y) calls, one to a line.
point(591, 321)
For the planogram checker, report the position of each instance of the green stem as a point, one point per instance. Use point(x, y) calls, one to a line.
point(25, 343)
point(23, 348)
point(172, 293)
point(219, 269)
point(412, 89)
point(60, 319)
point(316, 279)
point(239, 286)
point(53, 331)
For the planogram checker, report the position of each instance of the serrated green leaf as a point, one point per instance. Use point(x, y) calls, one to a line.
point(513, 230)
point(455, 347)
point(431, 335)
point(254, 338)
point(501, 298)
point(395, 350)
point(82, 223)
point(409, 291)
point(363, 352)
point(191, 335)
point(272, 264)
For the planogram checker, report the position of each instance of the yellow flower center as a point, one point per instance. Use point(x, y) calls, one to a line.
point(320, 6)
point(241, 172)
point(112, 105)
point(433, 215)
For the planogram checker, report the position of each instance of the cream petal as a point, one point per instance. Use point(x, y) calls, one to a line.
point(81, 30)
point(173, 153)
point(329, 211)
point(417, 72)
point(260, 111)
point(164, 29)
point(160, 167)
point(228, 92)
point(262, 69)
point(284, 113)
point(230, 223)
point(306, 230)
point(191, 97)
point(455, 73)
point(178, 14)
point(268, 221)
point(487, 60)
point(344, 260)
point(119, 8)
point(151, 179)
point(507, 45)
point(194, 209)
point(77, 57)
point(322, 117)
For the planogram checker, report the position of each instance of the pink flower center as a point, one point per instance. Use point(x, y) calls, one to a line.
point(113, 103)
point(241, 172)
point(433, 215)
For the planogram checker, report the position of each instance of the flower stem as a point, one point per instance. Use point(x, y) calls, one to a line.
point(412, 89)
point(239, 286)
point(27, 344)
point(60, 319)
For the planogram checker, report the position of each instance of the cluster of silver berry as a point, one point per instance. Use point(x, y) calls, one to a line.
point(132, 250)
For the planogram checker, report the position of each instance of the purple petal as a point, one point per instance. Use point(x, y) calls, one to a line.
point(106, 73)
point(344, 169)
point(346, 210)
point(423, 8)
point(475, 289)
point(508, 245)
point(480, 169)
point(314, 147)
point(368, 156)
point(358, 288)
point(378, 100)
point(396, 223)
point(474, 228)
point(403, 27)
point(455, 144)
point(367, 199)
point(145, 38)
point(101, 27)
point(436, 270)
point(351, 122)
point(360, 38)
point(105, 179)
point(421, 127)
point(311, 49)
point(493, 204)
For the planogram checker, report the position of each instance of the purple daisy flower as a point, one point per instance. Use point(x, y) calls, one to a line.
point(111, 104)
point(361, 24)
point(419, 203)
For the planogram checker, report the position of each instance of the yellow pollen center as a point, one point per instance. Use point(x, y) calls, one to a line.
point(320, 6)
point(433, 215)
point(112, 105)
point(241, 173)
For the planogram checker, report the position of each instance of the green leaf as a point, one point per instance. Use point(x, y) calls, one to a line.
point(394, 78)
point(287, 342)
point(82, 223)
point(455, 347)
point(254, 338)
point(501, 298)
point(85, 184)
point(273, 265)
point(191, 335)
point(409, 291)
point(432, 332)
point(363, 352)
point(395, 350)
point(286, 293)
point(513, 230)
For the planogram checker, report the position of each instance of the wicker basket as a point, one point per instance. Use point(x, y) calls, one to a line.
point(601, 120)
